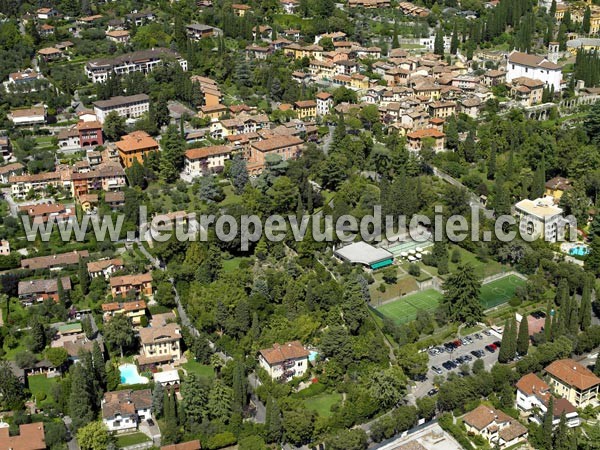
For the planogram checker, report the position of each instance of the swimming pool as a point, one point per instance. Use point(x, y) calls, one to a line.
point(579, 250)
point(130, 375)
point(312, 356)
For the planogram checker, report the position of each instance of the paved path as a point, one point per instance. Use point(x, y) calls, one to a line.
point(186, 322)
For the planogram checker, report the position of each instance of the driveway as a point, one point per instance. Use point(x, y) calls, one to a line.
point(489, 359)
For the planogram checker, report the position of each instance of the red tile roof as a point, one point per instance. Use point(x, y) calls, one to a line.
point(573, 374)
point(280, 353)
point(31, 437)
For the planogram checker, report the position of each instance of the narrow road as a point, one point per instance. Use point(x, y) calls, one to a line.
point(253, 382)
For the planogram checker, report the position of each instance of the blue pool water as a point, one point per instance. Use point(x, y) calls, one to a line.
point(312, 355)
point(130, 375)
point(580, 250)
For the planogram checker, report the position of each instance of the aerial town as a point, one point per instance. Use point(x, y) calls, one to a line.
point(299, 224)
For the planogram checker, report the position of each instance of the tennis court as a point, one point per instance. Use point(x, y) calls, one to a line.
point(500, 291)
point(405, 309)
point(492, 294)
point(405, 247)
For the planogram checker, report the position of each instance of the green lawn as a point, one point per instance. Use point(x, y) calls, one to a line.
point(405, 309)
point(40, 384)
point(202, 370)
point(231, 198)
point(232, 264)
point(322, 404)
point(482, 269)
point(405, 284)
point(500, 291)
point(126, 440)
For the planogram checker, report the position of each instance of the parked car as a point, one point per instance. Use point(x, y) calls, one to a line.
point(457, 343)
point(468, 358)
point(487, 332)
point(497, 343)
point(432, 392)
point(436, 369)
point(490, 348)
point(478, 336)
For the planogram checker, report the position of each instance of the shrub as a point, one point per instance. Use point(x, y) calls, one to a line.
point(455, 258)
point(514, 302)
point(381, 288)
point(414, 270)
point(390, 275)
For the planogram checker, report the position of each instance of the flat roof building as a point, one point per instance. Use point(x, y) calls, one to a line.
point(365, 254)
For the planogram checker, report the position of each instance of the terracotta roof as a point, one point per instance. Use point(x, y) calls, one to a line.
point(138, 140)
point(573, 374)
point(167, 332)
point(559, 183)
point(525, 59)
point(531, 384)
point(11, 168)
point(131, 279)
point(205, 152)
point(280, 353)
point(62, 259)
point(125, 403)
point(117, 33)
point(26, 112)
point(513, 431)
point(191, 445)
point(114, 197)
point(31, 437)
point(306, 104)
point(42, 286)
point(562, 405)
point(97, 266)
point(323, 95)
point(277, 143)
point(239, 6)
point(49, 51)
point(43, 209)
point(483, 416)
point(426, 132)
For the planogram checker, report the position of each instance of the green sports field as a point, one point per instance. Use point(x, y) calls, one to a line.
point(492, 294)
point(500, 291)
point(405, 309)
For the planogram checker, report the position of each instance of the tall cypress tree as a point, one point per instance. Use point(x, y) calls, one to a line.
point(83, 276)
point(523, 337)
point(438, 43)
point(587, 20)
point(546, 430)
point(585, 311)
point(454, 40)
point(505, 347)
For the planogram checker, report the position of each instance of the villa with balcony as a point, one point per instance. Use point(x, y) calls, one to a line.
point(284, 361)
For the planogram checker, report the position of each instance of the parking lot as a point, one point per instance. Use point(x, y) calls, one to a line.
point(438, 360)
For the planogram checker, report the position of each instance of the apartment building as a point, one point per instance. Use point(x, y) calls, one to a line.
point(130, 107)
point(527, 91)
point(118, 36)
point(574, 382)
point(442, 110)
point(134, 310)
point(45, 212)
point(205, 160)
point(540, 218)
point(106, 177)
point(324, 103)
point(286, 147)
point(533, 398)
point(306, 109)
point(139, 284)
point(143, 61)
point(416, 139)
point(161, 343)
point(135, 146)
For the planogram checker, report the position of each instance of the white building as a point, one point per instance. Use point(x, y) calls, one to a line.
point(540, 218)
point(324, 103)
point(143, 61)
point(282, 362)
point(167, 378)
point(533, 396)
point(130, 107)
point(205, 160)
point(124, 410)
point(4, 248)
point(533, 66)
point(29, 116)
